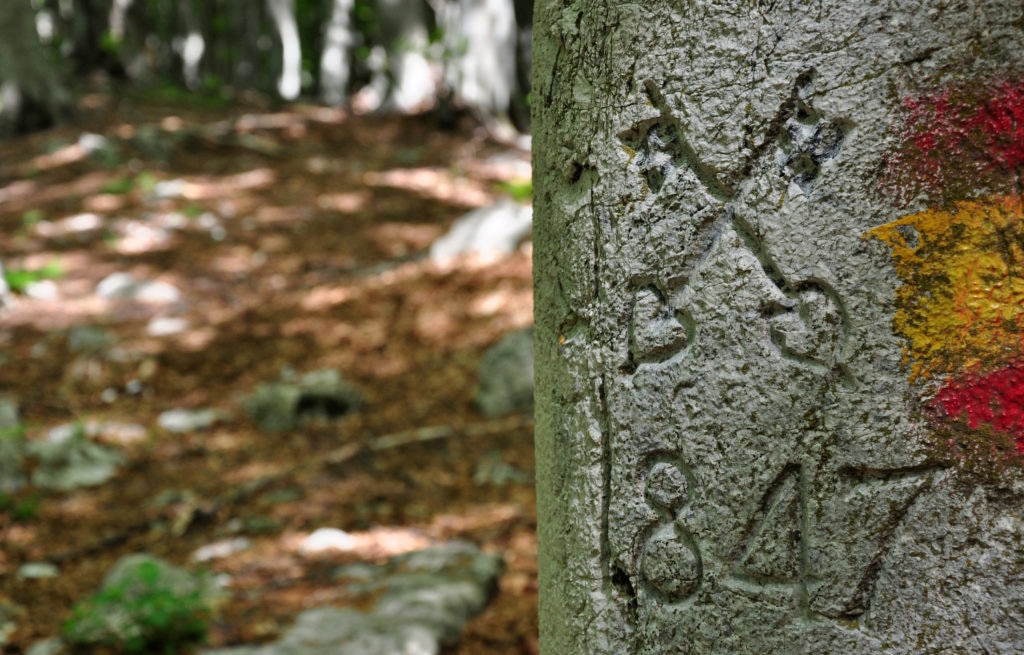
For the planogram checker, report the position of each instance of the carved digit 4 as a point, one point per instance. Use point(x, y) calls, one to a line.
point(836, 578)
point(774, 550)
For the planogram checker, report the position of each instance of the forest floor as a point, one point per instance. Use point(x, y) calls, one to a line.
point(295, 235)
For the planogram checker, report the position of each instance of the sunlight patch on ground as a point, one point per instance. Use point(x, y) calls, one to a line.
point(105, 202)
point(518, 302)
point(401, 239)
point(434, 183)
point(73, 506)
point(322, 298)
point(250, 472)
point(283, 214)
point(369, 544)
point(22, 196)
point(215, 188)
point(62, 157)
point(347, 203)
point(477, 518)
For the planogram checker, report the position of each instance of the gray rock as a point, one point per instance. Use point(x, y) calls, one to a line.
point(5, 288)
point(327, 539)
point(9, 415)
point(38, 570)
point(425, 599)
point(317, 396)
point(497, 229)
point(92, 142)
point(51, 646)
point(494, 470)
point(42, 290)
point(506, 376)
point(8, 624)
point(163, 326)
point(169, 189)
point(12, 456)
point(12, 447)
point(125, 286)
point(89, 339)
point(69, 460)
point(188, 420)
point(219, 549)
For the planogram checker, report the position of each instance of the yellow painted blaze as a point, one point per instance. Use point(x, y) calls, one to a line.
point(961, 306)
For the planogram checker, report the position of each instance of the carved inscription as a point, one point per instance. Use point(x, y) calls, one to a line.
point(808, 319)
point(670, 563)
point(785, 545)
point(805, 531)
point(774, 550)
point(806, 142)
point(657, 330)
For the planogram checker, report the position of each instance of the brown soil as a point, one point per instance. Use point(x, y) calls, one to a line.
point(317, 263)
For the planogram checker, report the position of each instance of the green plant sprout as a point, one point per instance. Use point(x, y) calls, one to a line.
point(148, 607)
point(18, 279)
point(520, 190)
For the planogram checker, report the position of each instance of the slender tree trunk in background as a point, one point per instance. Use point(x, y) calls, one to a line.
point(339, 40)
point(780, 335)
point(283, 14)
point(482, 36)
point(32, 93)
point(191, 46)
point(404, 25)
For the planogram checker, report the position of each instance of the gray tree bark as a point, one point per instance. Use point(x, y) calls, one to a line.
point(334, 59)
point(412, 84)
point(289, 83)
point(32, 93)
point(482, 36)
point(735, 451)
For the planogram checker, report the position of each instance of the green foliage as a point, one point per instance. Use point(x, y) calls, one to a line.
point(147, 611)
point(144, 182)
point(18, 279)
point(12, 445)
point(520, 190)
point(119, 186)
point(212, 96)
point(15, 433)
point(32, 217)
point(22, 510)
point(110, 43)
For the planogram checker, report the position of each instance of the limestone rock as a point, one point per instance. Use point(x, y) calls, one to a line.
point(506, 376)
point(71, 461)
point(497, 229)
point(316, 396)
point(424, 600)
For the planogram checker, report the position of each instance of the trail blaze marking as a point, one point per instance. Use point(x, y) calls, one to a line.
point(961, 306)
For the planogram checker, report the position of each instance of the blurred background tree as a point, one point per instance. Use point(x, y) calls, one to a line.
point(374, 55)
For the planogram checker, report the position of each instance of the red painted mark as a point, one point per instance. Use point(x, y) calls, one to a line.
point(995, 399)
point(958, 142)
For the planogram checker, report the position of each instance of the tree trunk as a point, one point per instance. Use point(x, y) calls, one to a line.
point(405, 30)
point(335, 63)
point(32, 93)
point(482, 37)
point(283, 14)
point(780, 328)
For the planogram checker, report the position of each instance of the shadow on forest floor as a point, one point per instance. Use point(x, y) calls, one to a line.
point(282, 241)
